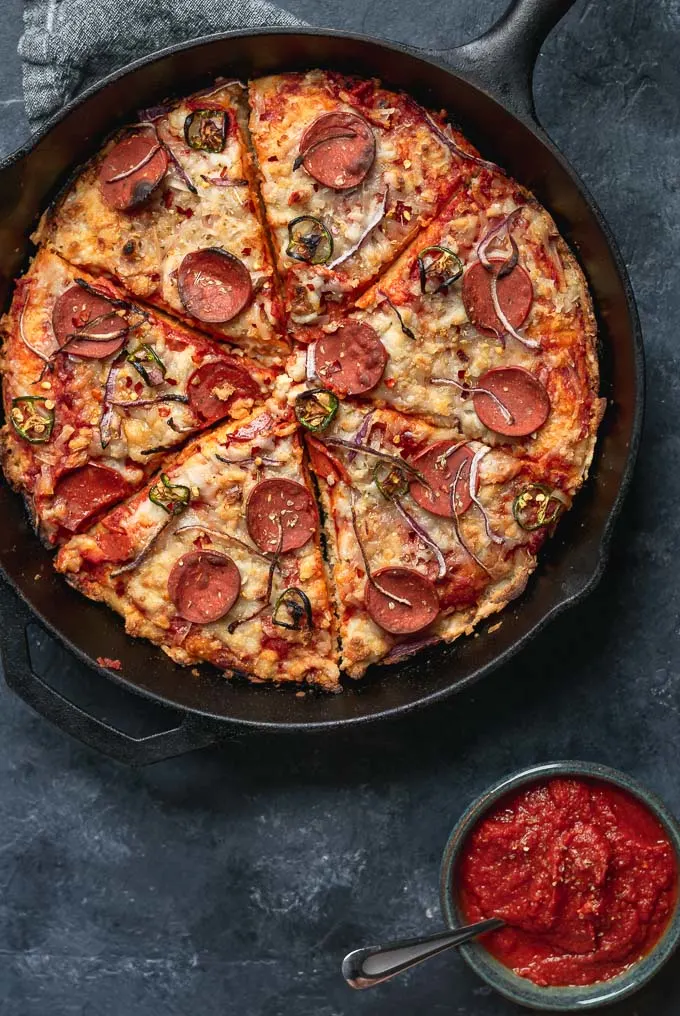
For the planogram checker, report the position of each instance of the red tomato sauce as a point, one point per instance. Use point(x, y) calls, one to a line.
point(583, 873)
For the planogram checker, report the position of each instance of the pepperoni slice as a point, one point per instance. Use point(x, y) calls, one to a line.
point(515, 294)
point(280, 505)
point(439, 463)
point(131, 171)
point(351, 360)
point(407, 584)
point(83, 493)
point(204, 585)
point(522, 395)
point(78, 309)
point(214, 285)
point(115, 547)
point(338, 150)
point(213, 386)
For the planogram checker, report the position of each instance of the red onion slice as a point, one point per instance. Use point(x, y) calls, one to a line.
point(502, 229)
point(337, 442)
point(22, 335)
point(367, 568)
point(107, 408)
point(473, 488)
point(363, 433)
point(182, 173)
point(153, 113)
point(456, 522)
point(456, 149)
point(530, 343)
point(377, 218)
point(507, 415)
point(217, 535)
point(403, 649)
point(423, 535)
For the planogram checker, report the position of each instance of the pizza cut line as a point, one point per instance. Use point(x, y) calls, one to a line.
point(297, 382)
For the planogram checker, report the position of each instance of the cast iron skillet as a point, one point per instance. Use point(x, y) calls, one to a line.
point(486, 86)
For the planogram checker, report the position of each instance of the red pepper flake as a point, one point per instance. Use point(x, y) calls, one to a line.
point(402, 213)
point(106, 661)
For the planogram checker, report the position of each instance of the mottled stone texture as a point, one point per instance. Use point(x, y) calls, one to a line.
point(233, 880)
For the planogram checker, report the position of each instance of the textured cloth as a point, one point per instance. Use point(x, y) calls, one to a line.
point(69, 44)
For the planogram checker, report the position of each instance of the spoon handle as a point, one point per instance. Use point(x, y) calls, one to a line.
point(365, 967)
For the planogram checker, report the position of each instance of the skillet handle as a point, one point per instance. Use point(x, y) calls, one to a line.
point(502, 60)
point(17, 670)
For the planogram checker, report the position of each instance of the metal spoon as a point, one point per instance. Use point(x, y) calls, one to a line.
point(376, 963)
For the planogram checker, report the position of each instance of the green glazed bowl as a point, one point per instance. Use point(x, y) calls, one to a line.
point(505, 981)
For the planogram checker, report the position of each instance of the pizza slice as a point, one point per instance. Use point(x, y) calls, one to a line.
point(484, 323)
point(218, 558)
point(428, 532)
point(97, 388)
point(349, 173)
point(169, 209)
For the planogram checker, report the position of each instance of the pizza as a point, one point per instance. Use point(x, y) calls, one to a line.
point(425, 528)
point(297, 382)
point(168, 209)
point(218, 558)
point(97, 389)
point(350, 172)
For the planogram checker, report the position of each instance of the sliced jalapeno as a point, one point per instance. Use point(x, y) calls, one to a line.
point(171, 497)
point(438, 267)
point(536, 506)
point(315, 409)
point(309, 240)
point(148, 363)
point(391, 481)
point(293, 610)
point(32, 417)
point(205, 130)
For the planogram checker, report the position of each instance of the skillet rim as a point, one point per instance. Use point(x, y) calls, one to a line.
point(586, 582)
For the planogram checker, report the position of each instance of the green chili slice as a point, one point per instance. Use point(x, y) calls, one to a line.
point(391, 481)
point(536, 506)
point(171, 497)
point(205, 130)
point(148, 363)
point(32, 417)
point(309, 240)
point(293, 610)
point(315, 409)
point(438, 267)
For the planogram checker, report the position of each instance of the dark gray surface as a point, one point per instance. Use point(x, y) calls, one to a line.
point(233, 880)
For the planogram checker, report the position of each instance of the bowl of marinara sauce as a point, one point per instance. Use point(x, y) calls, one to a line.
point(582, 864)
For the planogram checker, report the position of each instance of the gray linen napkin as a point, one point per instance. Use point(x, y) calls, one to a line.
point(69, 44)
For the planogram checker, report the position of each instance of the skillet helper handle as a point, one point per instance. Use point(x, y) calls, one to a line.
point(502, 60)
point(16, 668)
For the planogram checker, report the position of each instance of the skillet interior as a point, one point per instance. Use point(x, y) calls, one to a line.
point(571, 562)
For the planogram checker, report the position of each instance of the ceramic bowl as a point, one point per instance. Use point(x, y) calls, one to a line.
point(519, 989)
